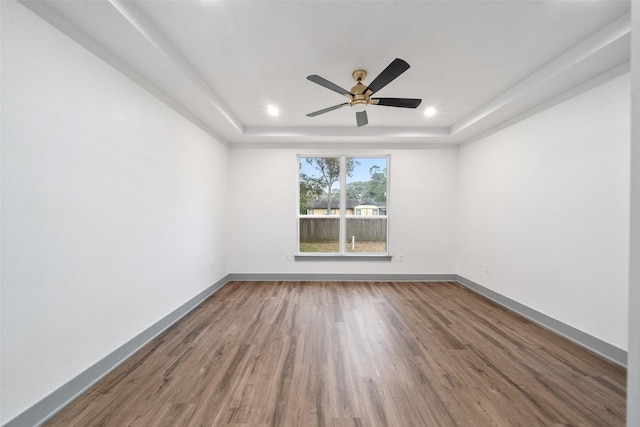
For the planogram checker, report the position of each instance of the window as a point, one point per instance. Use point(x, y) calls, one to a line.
point(342, 205)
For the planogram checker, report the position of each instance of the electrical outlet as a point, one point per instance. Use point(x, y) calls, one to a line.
point(287, 257)
point(400, 257)
point(486, 268)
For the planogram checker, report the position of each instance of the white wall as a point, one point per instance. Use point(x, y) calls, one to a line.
point(422, 211)
point(113, 210)
point(633, 361)
point(545, 203)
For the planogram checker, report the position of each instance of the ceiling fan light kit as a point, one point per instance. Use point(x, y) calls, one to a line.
point(360, 95)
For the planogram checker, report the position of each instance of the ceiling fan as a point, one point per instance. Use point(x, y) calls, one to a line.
point(360, 95)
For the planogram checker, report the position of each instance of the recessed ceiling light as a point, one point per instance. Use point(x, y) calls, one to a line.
point(430, 112)
point(273, 111)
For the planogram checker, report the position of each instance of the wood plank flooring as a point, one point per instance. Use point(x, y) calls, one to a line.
point(354, 354)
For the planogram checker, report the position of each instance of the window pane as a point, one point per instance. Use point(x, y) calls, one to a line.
point(319, 185)
point(366, 186)
point(367, 234)
point(325, 225)
point(319, 235)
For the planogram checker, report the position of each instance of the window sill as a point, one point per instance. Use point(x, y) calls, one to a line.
point(342, 257)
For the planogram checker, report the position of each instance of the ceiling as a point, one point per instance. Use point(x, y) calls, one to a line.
point(482, 64)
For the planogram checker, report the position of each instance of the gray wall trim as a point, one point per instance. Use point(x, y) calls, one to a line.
point(596, 345)
point(47, 407)
point(335, 277)
point(318, 257)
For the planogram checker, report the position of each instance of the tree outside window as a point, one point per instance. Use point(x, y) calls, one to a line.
point(333, 191)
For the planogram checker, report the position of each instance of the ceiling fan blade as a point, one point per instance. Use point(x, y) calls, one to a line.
point(393, 70)
point(326, 110)
point(326, 83)
point(397, 102)
point(361, 118)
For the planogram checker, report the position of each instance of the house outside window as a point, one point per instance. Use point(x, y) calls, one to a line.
point(342, 204)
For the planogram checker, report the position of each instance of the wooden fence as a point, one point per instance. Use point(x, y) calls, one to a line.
point(327, 229)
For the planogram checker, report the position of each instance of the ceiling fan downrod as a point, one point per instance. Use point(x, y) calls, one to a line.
point(359, 98)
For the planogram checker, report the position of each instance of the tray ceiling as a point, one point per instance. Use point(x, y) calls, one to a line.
point(480, 63)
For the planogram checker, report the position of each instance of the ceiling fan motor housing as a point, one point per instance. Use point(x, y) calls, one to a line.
point(360, 98)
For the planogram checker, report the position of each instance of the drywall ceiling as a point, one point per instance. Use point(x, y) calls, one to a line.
point(482, 64)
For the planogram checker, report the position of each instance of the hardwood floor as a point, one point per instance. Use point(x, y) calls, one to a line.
point(354, 354)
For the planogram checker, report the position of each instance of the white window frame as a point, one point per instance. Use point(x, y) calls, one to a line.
point(342, 214)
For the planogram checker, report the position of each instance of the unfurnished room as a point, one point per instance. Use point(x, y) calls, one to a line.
point(320, 213)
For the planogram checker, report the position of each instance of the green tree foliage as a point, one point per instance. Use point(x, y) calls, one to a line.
point(378, 184)
point(320, 184)
point(358, 190)
point(373, 190)
point(308, 192)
